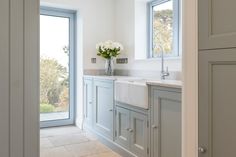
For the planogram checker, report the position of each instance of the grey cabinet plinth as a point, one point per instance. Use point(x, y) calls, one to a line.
point(103, 100)
point(217, 28)
point(88, 102)
point(165, 123)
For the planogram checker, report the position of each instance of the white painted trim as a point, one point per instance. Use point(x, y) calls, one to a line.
point(190, 79)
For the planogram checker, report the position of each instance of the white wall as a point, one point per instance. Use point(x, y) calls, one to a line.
point(125, 33)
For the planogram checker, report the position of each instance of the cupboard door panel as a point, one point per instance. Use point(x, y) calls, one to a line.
point(217, 28)
point(217, 75)
point(122, 127)
point(103, 108)
point(166, 124)
point(139, 134)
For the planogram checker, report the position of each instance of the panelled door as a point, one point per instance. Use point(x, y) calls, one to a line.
point(217, 25)
point(217, 105)
point(103, 107)
point(122, 127)
point(139, 134)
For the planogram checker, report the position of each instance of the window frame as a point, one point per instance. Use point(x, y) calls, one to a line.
point(176, 30)
point(71, 14)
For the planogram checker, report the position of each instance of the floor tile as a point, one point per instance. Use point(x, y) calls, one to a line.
point(87, 148)
point(68, 130)
point(63, 140)
point(107, 154)
point(55, 152)
point(45, 143)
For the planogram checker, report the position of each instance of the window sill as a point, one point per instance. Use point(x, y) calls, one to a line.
point(179, 58)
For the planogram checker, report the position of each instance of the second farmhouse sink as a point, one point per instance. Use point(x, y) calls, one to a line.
point(132, 91)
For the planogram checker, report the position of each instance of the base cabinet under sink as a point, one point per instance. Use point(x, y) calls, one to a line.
point(132, 131)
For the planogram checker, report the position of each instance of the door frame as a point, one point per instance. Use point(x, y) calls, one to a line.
point(49, 11)
point(190, 78)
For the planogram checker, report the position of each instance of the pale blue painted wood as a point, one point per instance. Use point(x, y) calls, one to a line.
point(88, 102)
point(122, 127)
point(165, 122)
point(103, 107)
point(139, 134)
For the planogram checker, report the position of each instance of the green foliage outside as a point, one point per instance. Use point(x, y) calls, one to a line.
point(163, 32)
point(54, 86)
point(46, 108)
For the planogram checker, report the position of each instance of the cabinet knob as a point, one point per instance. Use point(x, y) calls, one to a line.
point(154, 126)
point(111, 110)
point(131, 130)
point(202, 150)
point(90, 102)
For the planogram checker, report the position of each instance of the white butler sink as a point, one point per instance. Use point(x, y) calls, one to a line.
point(132, 91)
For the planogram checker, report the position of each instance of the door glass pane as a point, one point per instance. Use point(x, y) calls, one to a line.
point(163, 28)
point(54, 68)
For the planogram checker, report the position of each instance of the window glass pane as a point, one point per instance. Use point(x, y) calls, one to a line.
point(162, 29)
point(54, 67)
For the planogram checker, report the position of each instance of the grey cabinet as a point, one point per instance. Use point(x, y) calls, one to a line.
point(88, 102)
point(103, 101)
point(217, 25)
point(165, 122)
point(217, 107)
point(132, 131)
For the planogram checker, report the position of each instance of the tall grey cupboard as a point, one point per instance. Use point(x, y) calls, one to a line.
point(217, 78)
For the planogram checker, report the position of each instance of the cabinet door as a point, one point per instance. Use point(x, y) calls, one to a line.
point(103, 108)
point(166, 124)
point(88, 99)
point(139, 134)
point(122, 127)
point(217, 27)
point(217, 107)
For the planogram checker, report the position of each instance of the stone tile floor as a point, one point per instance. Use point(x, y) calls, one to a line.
point(70, 141)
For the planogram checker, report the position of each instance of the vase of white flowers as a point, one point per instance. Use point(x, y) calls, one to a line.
point(109, 50)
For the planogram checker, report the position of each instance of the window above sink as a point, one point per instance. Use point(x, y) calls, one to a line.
point(157, 29)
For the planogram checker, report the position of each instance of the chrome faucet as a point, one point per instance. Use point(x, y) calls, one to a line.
point(164, 73)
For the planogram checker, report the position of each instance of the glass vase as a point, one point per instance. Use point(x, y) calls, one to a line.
point(109, 67)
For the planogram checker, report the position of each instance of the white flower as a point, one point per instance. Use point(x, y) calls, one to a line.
point(108, 46)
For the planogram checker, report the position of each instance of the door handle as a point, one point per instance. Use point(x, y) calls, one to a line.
point(202, 150)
